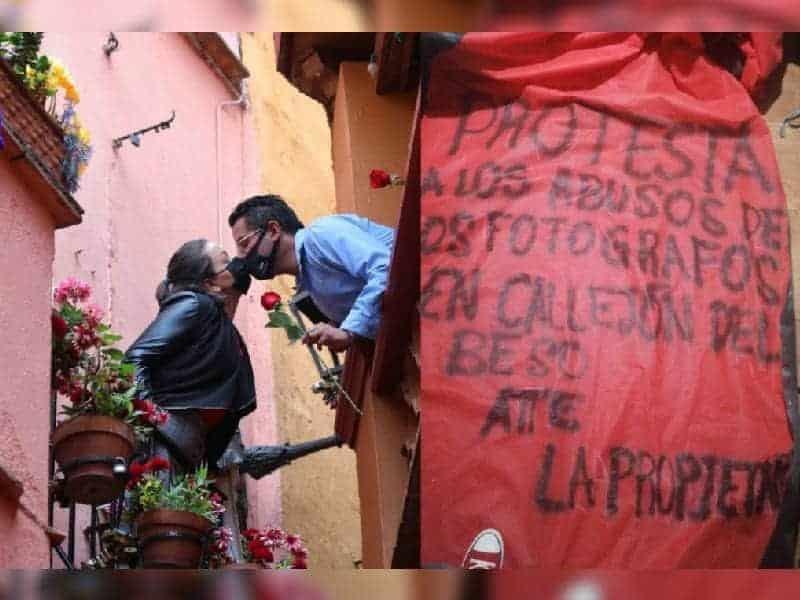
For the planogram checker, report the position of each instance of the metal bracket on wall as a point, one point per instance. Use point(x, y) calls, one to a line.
point(111, 44)
point(136, 137)
point(792, 120)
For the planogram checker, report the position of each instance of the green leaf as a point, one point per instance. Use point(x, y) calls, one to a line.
point(279, 319)
point(127, 370)
point(114, 353)
point(294, 333)
point(109, 338)
point(72, 315)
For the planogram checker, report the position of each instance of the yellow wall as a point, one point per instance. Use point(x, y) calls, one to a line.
point(320, 15)
point(366, 585)
point(787, 150)
point(319, 493)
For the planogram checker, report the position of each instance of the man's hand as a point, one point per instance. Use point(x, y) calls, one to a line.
point(323, 334)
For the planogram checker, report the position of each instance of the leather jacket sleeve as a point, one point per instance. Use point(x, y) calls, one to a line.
point(167, 334)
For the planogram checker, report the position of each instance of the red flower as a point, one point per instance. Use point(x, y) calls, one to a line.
point(299, 552)
point(260, 552)
point(136, 470)
point(270, 300)
point(60, 327)
point(76, 394)
point(250, 534)
point(152, 413)
point(379, 179)
point(299, 563)
point(157, 463)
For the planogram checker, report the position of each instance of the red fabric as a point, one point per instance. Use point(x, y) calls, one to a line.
point(763, 53)
point(651, 15)
point(212, 416)
point(604, 265)
point(622, 585)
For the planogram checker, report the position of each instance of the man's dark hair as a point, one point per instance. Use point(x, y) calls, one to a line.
point(188, 268)
point(258, 210)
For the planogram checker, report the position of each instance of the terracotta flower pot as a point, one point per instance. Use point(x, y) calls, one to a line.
point(172, 539)
point(243, 567)
point(84, 448)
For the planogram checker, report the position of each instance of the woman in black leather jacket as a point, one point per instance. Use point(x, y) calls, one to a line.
point(191, 360)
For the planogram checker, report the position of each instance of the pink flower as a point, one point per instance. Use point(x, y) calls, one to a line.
point(93, 315)
point(274, 534)
point(72, 289)
point(152, 413)
point(293, 540)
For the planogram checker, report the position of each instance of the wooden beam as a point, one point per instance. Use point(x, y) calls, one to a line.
point(402, 291)
point(394, 53)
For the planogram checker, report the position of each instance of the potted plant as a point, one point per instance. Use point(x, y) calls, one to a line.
point(94, 445)
point(174, 519)
point(54, 129)
point(269, 548)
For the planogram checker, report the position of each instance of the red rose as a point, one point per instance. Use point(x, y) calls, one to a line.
point(270, 300)
point(379, 179)
point(60, 327)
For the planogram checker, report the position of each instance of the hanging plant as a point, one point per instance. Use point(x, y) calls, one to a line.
point(103, 423)
point(45, 77)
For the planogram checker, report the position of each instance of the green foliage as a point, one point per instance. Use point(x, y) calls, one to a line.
point(191, 493)
point(149, 492)
point(21, 50)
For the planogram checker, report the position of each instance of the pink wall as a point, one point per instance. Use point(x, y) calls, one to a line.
point(142, 203)
point(142, 15)
point(26, 255)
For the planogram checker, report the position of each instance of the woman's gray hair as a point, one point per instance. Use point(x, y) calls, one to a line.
point(188, 269)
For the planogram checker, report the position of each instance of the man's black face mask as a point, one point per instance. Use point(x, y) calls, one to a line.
point(261, 266)
point(241, 278)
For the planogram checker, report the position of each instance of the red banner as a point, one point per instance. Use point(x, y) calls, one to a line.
point(627, 585)
point(605, 265)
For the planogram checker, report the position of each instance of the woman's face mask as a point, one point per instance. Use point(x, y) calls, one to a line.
point(241, 278)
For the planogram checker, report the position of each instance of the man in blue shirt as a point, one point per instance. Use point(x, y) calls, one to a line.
point(342, 261)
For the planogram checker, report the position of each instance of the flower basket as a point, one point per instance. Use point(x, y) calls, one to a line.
point(86, 449)
point(172, 539)
point(25, 117)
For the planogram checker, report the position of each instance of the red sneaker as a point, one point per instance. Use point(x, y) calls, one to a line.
point(485, 552)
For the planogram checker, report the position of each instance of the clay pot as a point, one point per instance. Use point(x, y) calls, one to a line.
point(92, 437)
point(172, 539)
point(243, 567)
